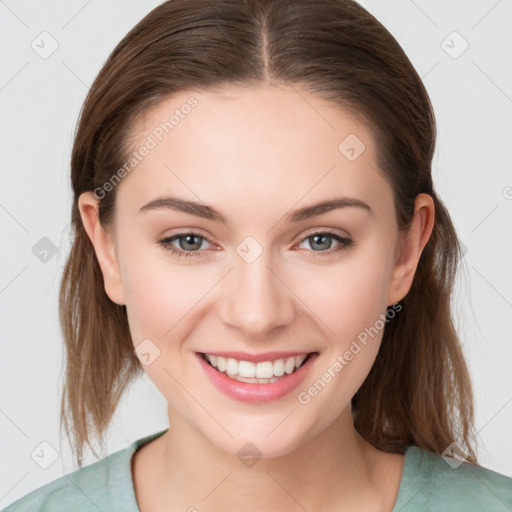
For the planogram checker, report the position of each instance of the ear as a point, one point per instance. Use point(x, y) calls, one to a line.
point(411, 244)
point(104, 247)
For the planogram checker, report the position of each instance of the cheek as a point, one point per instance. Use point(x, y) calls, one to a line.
point(147, 283)
point(350, 299)
point(158, 294)
point(352, 306)
point(346, 297)
point(161, 298)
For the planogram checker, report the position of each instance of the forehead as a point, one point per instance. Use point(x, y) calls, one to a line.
point(251, 146)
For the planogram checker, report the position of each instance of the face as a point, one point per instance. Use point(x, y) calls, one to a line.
point(256, 277)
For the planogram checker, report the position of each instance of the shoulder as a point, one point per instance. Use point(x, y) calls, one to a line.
point(430, 482)
point(84, 489)
point(103, 485)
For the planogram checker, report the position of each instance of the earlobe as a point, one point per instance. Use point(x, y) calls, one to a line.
point(412, 243)
point(104, 247)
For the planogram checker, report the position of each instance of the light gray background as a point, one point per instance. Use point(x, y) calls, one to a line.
point(40, 100)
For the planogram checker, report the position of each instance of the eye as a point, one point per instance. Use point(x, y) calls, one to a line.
point(323, 240)
point(188, 242)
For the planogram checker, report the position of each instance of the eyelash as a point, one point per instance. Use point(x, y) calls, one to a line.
point(345, 243)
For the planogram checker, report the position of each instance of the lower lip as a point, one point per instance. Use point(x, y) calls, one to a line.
point(256, 393)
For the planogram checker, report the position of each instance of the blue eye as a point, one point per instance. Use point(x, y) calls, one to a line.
point(188, 237)
point(319, 239)
point(190, 243)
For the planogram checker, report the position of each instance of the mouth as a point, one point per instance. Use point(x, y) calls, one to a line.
point(262, 371)
point(256, 379)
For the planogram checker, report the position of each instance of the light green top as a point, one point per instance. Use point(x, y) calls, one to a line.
point(428, 484)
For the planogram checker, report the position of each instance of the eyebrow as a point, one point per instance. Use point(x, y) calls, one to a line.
point(207, 212)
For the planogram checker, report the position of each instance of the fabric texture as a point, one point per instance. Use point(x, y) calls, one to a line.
point(428, 484)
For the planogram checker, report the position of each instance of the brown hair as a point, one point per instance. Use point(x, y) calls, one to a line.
point(418, 391)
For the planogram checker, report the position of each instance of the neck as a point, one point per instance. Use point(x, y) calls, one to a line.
point(335, 470)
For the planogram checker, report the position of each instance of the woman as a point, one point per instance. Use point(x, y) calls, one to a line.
point(256, 228)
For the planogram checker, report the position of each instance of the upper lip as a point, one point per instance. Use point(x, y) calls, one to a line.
point(257, 358)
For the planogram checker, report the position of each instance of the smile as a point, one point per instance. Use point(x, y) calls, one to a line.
point(263, 379)
point(263, 372)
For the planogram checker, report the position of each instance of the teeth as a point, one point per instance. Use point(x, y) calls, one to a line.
point(289, 366)
point(252, 381)
point(221, 364)
point(265, 370)
point(231, 366)
point(279, 367)
point(247, 371)
point(244, 369)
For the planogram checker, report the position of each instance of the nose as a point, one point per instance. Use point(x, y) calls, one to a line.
point(256, 299)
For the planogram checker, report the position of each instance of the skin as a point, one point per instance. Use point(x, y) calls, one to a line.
point(255, 154)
